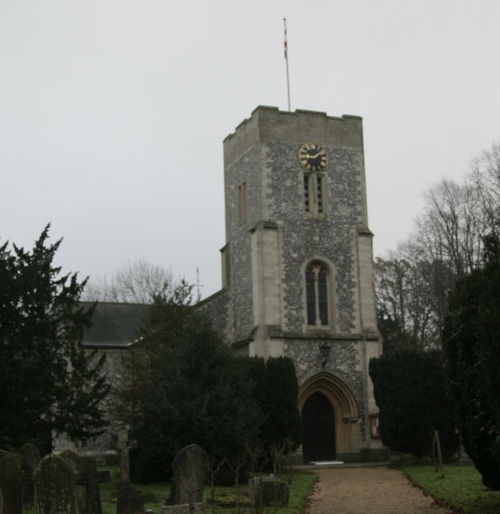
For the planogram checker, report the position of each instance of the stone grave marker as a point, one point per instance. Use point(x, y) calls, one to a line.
point(11, 484)
point(130, 500)
point(190, 470)
point(86, 481)
point(30, 457)
point(268, 491)
point(54, 487)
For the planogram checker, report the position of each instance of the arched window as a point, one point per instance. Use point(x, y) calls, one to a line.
point(317, 294)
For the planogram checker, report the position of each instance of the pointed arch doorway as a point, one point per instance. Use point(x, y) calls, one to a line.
point(330, 420)
point(318, 418)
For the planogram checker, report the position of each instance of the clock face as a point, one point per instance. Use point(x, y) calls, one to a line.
point(313, 157)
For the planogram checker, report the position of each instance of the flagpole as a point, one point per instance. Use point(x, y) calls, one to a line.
point(286, 59)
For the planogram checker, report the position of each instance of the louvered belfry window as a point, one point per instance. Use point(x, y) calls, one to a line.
point(314, 195)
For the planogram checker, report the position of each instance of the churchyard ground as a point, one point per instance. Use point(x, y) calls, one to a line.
point(155, 495)
point(459, 491)
point(461, 488)
point(458, 486)
point(383, 490)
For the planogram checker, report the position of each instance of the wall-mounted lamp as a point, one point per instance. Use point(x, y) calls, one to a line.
point(324, 350)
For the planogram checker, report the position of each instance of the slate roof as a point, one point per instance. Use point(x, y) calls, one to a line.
point(114, 325)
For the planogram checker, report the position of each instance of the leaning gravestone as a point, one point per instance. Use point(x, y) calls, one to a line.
point(11, 484)
point(30, 457)
point(268, 491)
point(54, 489)
point(190, 469)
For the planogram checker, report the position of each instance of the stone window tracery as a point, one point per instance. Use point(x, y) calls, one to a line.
point(317, 295)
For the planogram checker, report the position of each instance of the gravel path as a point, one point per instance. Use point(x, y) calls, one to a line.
point(373, 490)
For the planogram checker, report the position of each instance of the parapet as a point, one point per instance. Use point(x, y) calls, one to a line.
point(270, 125)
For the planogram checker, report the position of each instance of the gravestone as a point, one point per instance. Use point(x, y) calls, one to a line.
point(86, 481)
point(190, 470)
point(130, 500)
point(54, 487)
point(11, 484)
point(268, 491)
point(30, 457)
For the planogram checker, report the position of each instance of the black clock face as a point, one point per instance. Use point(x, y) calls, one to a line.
point(313, 157)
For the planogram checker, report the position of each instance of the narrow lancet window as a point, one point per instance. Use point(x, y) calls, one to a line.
point(317, 295)
point(242, 203)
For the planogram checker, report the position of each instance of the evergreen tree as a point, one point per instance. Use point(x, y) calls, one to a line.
point(184, 385)
point(48, 383)
point(169, 314)
point(410, 390)
point(197, 392)
point(471, 341)
point(276, 389)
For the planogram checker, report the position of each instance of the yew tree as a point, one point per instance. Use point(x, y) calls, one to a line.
point(471, 340)
point(277, 392)
point(196, 391)
point(48, 383)
point(410, 390)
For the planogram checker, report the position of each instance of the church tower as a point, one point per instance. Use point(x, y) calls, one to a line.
point(298, 269)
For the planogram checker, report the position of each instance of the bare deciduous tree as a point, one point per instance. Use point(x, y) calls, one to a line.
point(406, 303)
point(413, 283)
point(485, 179)
point(451, 227)
point(137, 282)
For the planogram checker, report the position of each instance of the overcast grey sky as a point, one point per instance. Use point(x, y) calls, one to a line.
point(113, 112)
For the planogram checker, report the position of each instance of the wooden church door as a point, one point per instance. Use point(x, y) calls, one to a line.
point(318, 419)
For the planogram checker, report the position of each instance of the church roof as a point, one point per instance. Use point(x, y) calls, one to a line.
point(114, 325)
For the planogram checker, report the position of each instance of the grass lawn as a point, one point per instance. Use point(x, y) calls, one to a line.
point(461, 487)
point(155, 495)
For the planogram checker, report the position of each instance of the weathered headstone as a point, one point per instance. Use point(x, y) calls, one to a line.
point(268, 491)
point(11, 484)
point(190, 469)
point(86, 480)
point(30, 457)
point(54, 487)
point(130, 500)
